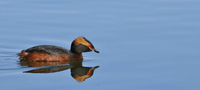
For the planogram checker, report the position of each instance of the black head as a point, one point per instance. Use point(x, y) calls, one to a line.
point(81, 44)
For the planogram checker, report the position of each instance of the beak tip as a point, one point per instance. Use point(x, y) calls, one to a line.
point(96, 51)
point(93, 49)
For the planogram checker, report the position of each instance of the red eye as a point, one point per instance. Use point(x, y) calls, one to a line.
point(90, 47)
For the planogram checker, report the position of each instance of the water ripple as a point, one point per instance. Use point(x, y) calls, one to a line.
point(55, 11)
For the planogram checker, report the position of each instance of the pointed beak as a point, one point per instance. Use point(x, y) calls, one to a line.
point(93, 49)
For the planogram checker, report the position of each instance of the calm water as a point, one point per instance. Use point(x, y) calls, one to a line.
point(144, 45)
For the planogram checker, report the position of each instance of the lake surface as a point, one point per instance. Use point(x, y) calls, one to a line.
point(144, 45)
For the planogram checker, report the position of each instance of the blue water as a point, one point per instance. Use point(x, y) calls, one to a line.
point(144, 45)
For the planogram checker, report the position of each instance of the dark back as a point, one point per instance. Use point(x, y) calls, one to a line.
point(50, 49)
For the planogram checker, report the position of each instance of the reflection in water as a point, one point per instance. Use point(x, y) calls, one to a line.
point(82, 73)
point(78, 72)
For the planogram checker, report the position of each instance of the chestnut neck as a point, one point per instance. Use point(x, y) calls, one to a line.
point(76, 57)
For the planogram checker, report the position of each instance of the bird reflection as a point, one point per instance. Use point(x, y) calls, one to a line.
point(82, 73)
point(78, 72)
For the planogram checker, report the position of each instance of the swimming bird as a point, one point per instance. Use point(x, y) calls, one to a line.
point(51, 53)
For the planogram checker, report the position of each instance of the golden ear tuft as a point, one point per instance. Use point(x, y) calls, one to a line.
point(81, 40)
